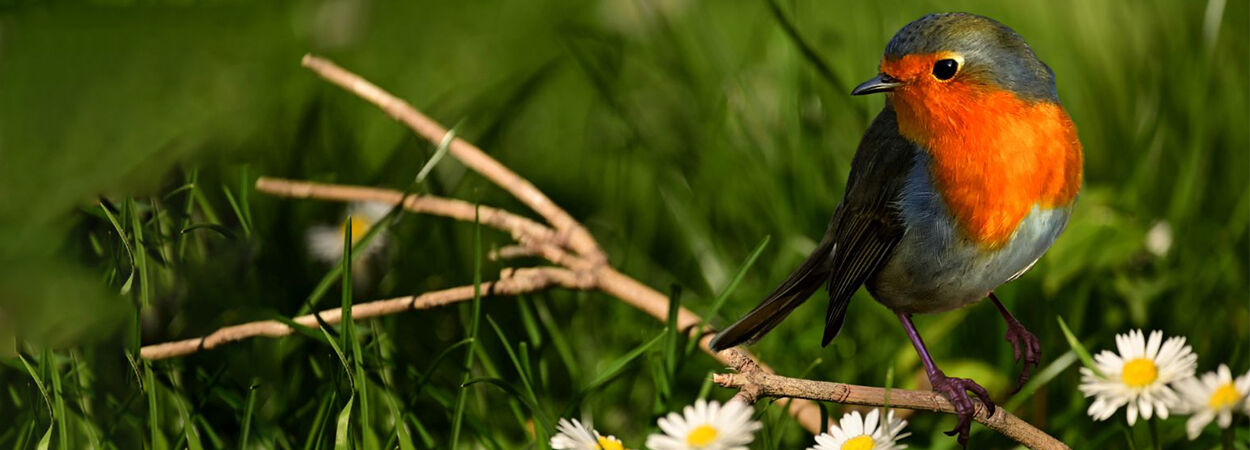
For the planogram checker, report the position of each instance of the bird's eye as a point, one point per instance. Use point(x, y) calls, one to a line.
point(945, 69)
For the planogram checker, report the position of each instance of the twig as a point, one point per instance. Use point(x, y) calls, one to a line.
point(753, 383)
point(578, 238)
point(510, 283)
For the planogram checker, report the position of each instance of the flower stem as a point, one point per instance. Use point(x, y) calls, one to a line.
point(1228, 438)
point(1154, 433)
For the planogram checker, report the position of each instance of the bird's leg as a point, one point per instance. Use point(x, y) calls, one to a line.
point(955, 389)
point(1023, 343)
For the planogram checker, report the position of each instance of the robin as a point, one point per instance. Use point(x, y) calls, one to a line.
point(961, 183)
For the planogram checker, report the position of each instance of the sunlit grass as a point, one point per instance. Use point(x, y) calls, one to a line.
point(699, 144)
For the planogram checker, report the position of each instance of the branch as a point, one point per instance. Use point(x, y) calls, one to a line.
point(753, 382)
point(578, 238)
point(510, 283)
point(539, 238)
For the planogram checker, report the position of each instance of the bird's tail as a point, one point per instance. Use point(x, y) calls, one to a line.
point(789, 295)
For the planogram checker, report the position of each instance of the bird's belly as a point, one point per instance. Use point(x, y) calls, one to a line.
point(934, 268)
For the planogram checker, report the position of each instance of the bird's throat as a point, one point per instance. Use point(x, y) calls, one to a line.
point(995, 156)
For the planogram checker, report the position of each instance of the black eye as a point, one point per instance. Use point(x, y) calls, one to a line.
point(945, 69)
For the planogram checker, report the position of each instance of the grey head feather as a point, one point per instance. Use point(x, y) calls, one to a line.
point(992, 52)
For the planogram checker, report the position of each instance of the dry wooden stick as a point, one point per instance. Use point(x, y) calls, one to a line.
point(511, 282)
point(753, 383)
point(538, 239)
point(578, 238)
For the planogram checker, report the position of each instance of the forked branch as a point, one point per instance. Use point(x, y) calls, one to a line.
point(753, 383)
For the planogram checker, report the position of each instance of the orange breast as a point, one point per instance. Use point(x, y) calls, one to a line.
point(994, 155)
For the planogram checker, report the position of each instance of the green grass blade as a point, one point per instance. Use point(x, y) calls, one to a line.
point(672, 333)
point(730, 288)
point(461, 397)
point(561, 343)
point(189, 430)
point(318, 424)
point(1077, 347)
point(809, 52)
point(58, 400)
point(438, 155)
point(619, 364)
point(43, 390)
point(238, 211)
point(335, 273)
point(342, 428)
point(154, 423)
point(46, 440)
point(544, 421)
point(511, 390)
point(1041, 378)
point(121, 235)
point(533, 330)
point(526, 382)
point(248, 410)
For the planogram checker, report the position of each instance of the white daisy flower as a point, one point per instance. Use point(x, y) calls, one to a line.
point(572, 435)
point(326, 242)
point(706, 426)
point(854, 432)
point(1216, 394)
point(1138, 377)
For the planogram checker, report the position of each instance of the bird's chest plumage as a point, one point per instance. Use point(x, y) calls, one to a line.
point(937, 267)
point(991, 188)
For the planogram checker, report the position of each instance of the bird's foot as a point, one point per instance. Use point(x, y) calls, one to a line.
point(956, 390)
point(1025, 345)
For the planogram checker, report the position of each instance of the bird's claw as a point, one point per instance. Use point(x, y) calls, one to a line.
point(956, 390)
point(1024, 344)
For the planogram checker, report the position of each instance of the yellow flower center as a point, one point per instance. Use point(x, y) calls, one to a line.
point(609, 444)
point(1139, 372)
point(701, 436)
point(862, 442)
point(360, 226)
point(1224, 397)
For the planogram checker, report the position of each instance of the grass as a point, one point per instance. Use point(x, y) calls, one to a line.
point(704, 145)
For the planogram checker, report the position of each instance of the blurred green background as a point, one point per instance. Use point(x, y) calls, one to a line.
point(682, 133)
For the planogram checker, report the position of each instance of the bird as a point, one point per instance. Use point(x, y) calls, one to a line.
point(960, 184)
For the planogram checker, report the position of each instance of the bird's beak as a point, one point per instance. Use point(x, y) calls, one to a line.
point(879, 83)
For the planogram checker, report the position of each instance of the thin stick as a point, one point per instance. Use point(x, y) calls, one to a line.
point(579, 239)
point(753, 383)
point(514, 282)
point(539, 238)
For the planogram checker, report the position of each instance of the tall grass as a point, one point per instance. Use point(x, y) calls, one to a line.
point(683, 133)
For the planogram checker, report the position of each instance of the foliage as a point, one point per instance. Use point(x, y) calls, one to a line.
point(681, 132)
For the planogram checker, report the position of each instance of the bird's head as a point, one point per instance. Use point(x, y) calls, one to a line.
point(946, 57)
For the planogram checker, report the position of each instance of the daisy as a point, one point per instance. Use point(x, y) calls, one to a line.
point(326, 242)
point(863, 433)
point(1215, 394)
point(572, 435)
point(706, 426)
point(1138, 377)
